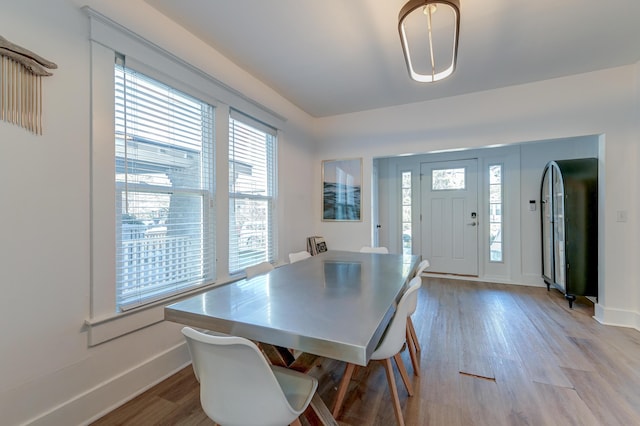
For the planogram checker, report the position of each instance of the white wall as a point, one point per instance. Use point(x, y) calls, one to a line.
point(599, 103)
point(48, 374)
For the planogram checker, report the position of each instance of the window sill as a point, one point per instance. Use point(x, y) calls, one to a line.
point(109, 327)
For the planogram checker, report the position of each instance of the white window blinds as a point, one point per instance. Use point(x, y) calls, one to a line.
point(164, 190)
point(252, 146)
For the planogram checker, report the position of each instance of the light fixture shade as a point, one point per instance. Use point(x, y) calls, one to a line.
point(429, 35)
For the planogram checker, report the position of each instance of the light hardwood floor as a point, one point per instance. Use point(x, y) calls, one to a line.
point(491, 355)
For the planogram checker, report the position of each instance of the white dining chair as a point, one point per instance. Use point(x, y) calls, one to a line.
point(298, 256)
point(259, 269)
point(390, 346)
point(412, 342)
point(422, 266)
point(412, 337)
point(239, 387)
point(381, 250)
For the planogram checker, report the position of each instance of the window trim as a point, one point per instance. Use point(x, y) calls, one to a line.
point(272, 186)
point(402, 206)
point(106, 38)
point(203, 188)
point(105, 322)
point(163, 65)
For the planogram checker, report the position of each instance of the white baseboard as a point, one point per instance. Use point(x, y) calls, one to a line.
point(617, 317)
point(489, 279)
point(100, 400)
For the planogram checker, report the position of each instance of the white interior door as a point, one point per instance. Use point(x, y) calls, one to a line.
point(449, 214)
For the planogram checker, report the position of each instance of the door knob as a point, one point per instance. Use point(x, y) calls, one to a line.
point(471, 224)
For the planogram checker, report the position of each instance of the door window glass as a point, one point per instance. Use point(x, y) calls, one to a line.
point(448, 179)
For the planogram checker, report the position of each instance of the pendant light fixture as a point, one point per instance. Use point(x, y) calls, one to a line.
point(429, 35)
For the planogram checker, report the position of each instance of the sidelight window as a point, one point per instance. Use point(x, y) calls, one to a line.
point(495, 213)
point(407, 234)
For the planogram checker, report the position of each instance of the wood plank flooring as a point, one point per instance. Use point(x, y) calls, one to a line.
point(491, 355)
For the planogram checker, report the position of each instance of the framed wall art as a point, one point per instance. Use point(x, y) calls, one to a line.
point(341, 189)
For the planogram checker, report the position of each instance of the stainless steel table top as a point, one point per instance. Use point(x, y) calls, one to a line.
point(336, 304)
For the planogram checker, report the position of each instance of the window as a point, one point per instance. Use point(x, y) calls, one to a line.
point(164, 166)
point(447, 179)
point(252, 147)
point(495, 213)
point(164, 190)
point(406, 213)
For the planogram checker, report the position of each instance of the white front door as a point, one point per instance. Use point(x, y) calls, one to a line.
point(449, 214)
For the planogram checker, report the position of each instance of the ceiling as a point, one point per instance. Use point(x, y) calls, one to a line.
point(338, 56)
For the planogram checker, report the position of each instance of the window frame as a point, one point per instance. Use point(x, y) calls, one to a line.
point(235, 263)
point(203, 190)
point(103, 322)
point(489, 205)
point(410, 206)
point(459, 170)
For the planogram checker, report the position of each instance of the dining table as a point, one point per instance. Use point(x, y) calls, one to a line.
point(336, 304)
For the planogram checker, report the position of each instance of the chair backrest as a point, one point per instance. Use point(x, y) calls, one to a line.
point(297, 256)
point(237, 385)
point(382, 250)
point(422, 266)
point(259, 269)
point(395, 334)
point(413, 305)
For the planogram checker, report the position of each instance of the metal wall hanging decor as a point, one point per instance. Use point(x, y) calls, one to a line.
point(21, 73)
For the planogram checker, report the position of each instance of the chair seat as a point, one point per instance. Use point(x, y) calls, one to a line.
point(297, 387)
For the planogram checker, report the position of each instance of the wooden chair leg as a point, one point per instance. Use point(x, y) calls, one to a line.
point(342, 389)
point(394, 392)
point(403, 373)
point(414, 357)
point(414, 336)
point(296, 422)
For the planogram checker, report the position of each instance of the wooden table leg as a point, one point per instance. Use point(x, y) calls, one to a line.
point(277, 355)
point(320, 412)
point(317, 413)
